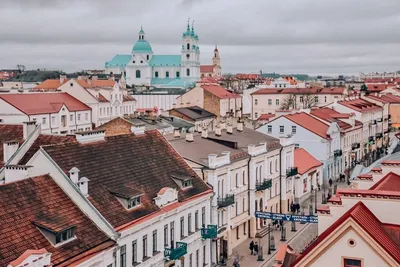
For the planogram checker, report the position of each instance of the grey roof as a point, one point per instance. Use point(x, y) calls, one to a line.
point(195, 112)
point(160, 123)
point(236, 143)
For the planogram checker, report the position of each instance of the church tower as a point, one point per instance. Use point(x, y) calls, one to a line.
point(216, 63)
point(190, 55)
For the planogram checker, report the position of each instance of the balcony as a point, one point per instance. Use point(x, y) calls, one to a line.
point(210, 232)
point(355, 146)
point(176, 253)
point(337, 153)
point(379, 120)
point(373, 122)
point(226, 201)
point(263, 185)
point(378, 135)
point(371, 138)
point(292, 171)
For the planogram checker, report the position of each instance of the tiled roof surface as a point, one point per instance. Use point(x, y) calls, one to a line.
point(368, 221)
point(24, 202)
point(127, 98)
point(144, 162)
point(43, 103)
point(206, 68)
point(101, 83)
point(390, 182)
point(265, 117)
point(42, 140)
point(304, 161)
point(377, 87)
point(313, 90)
point(219, 91)
point(102, 99)
point(387, 98)
point(195, 112)
point(330, 115)
point(310, 123)
point(9, 132)
point(360, 105)
point(50, 84)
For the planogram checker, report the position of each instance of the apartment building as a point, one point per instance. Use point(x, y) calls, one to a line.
point(320, 139)
point(58, 113)
point(137, 189)
point(268, 101)
point(245, 171)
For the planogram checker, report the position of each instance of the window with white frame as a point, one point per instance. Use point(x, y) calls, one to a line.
point(133, 202)
point(269, 128)
point(44, 120)
point(294, 129)
point(281, 129)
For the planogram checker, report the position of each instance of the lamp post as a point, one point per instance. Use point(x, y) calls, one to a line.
point(269, 238)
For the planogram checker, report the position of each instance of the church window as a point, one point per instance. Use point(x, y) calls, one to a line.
point(147, 57)
point(156, 74)
point(141, 61)
point(187, 72)
point(187, 56)
point(188, 46)
point(178, 74)
point(167, 74)
point(215, 54)
point(138, 74)
point(133, 62)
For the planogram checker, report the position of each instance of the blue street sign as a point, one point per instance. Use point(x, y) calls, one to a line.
point(286, 217)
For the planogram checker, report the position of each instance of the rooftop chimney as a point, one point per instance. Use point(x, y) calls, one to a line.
point(229, 129)
point(204, 133)
point(63, 78)
point(177, 133)
point(9, 149)
point(84, 186)
point(138, 128)
point(189, 137)
point(212, 160)
point(92, 136)
point(28, 128)
point(74, 175)
point(240, 126)
point(16, 173)
point(217, 130)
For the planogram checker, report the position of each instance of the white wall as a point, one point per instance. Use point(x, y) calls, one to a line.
point(161, 101)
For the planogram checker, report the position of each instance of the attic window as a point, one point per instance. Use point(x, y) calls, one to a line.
point(133, 202)
point(54, 233)
point(65, 235)
point(187, 183)
point(71, 84)
point(183, 180)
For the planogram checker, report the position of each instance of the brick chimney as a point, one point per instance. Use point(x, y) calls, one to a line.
point(189, 137)
point(9, 149)
point(177, 133)
point(16, 173)
point(63, 78)
point(204, 133)
point(217, 130)
point(229, 129)
point(89, 137)
point(28, 128)
point(240, 126)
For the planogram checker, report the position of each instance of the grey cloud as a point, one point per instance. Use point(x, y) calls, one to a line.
point(341, 36)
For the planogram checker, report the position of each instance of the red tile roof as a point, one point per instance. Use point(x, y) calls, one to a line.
point(102, 98)
point(101, 83)
point(265, 117)
point(206, 68)
point(219, 91)
point(313, 90)
point(310, 123)
point(9, 132)
point(42, 140)
point(304, 161)
point(26, 254)
point(331, 115)
point(50, 84)
point(390, 182)
point(360, 105)
point(127, 98)
point(387, 98)
point(26, 201)
point(369, 222)
point(377, 87)
point(145, 162)
point(43, 103)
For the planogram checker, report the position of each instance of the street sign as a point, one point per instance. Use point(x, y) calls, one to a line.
point(286, 217)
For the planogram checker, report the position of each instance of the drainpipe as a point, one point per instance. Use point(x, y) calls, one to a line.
point(248, 184)
point(280, 179)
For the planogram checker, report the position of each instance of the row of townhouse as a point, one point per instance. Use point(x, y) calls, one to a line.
point(339, 135)
point(91, 200)
point(108, 99)
point(248, 171)
point(358, 227)
point(270, 100)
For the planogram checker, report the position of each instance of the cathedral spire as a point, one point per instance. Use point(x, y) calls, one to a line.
point(193, 27)
point(141, 33)
point(188, 25)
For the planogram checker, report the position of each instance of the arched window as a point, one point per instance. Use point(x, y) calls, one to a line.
point(156, 74)
point(147, 57)
point(138, 74)
point(244, 177)
point(167, 74)
point(187, 72)
point(188, 46)
point(261, 177)
point(256, 174)
point(237, 179)
point(218, 189)
point(276, 165)
point(270, 167)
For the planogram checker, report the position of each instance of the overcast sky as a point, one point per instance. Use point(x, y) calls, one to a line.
point(285, 36)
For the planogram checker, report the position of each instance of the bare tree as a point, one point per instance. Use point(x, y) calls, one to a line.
point(308, 100)
point(289, 102)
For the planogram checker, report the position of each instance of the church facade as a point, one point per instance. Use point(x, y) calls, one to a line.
point(213, 70)
point(144, 68)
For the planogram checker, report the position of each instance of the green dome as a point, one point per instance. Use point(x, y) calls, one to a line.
point(142, 46)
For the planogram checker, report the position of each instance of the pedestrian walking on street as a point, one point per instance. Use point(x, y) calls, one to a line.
point(256, 248)
point(251, 247)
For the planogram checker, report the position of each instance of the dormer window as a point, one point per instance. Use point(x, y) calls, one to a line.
point(130, 198)
point(133, 202)
point(183, 180)
point(57, 234)
point(187, 183)
point(65, 235)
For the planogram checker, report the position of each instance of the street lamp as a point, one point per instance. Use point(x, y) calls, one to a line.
point(269, 238)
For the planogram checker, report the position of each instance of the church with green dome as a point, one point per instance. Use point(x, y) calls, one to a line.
point(144, 68)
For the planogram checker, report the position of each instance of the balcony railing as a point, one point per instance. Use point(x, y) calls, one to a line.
point(263, 185)
point(373, 122)
point(378, 135)
point(210, 232)
point(337, 153)
point(226, 201)
point(379, 120)
point(176, 253)
point(355, 146)
point(292, 171)
point(371, 138)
